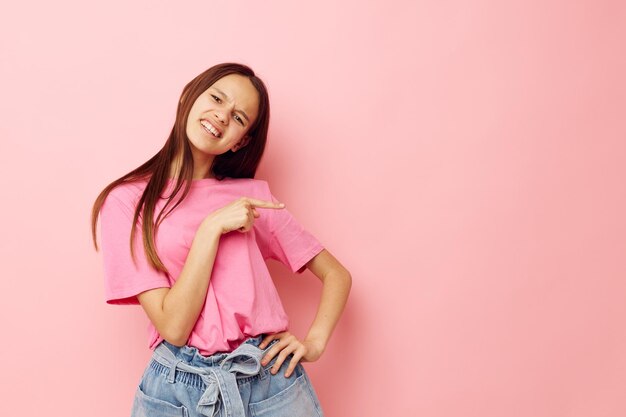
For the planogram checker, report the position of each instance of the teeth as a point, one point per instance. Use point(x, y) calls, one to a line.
point(210, 128)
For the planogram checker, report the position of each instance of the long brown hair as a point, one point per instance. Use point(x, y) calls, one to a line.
point(240, 164)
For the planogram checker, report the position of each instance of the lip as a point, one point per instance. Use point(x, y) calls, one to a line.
point(214, 127)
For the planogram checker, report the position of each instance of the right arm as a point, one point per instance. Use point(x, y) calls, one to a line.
point(174, 311)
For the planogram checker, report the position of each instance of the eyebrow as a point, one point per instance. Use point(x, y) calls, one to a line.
point(228, 98)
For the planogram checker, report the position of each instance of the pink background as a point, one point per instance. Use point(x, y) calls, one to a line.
point(464, 160)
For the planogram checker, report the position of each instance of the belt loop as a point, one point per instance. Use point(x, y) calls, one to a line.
point(172, 373)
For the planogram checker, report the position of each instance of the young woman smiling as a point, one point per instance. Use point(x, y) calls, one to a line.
point(218, 331)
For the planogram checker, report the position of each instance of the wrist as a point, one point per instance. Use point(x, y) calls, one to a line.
point(318, 342)
point(210, 227)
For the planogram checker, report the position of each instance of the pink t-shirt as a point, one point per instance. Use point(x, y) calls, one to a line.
point(242, 300)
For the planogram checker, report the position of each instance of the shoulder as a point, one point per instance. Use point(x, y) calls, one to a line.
point(129, 188)
point(127, 193)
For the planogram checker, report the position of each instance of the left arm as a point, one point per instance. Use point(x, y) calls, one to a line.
point(336, 284)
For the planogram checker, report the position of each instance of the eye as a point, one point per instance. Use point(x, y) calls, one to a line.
point(216, 98)
point(239, 119)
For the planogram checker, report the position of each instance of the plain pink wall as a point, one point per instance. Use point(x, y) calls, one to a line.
point(464, 160)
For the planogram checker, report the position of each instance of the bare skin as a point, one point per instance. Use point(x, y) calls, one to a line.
point(336, 284)
point(174, 311)
point(231, 106)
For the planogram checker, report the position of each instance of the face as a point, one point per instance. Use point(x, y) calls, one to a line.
point(222, 115)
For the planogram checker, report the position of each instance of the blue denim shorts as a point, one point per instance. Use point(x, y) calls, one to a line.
point(179, 381)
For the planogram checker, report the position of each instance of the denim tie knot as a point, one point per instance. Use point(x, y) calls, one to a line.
point(220, 381)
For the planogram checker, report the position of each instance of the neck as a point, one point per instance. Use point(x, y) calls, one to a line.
point(201, 167)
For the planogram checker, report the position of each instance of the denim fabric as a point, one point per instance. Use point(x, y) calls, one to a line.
point(179, 381)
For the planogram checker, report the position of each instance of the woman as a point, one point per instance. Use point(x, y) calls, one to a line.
point(217, 326)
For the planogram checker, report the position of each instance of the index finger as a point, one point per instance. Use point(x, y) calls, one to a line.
point(264, 203)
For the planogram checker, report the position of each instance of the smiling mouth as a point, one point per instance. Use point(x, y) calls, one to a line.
point(210, 129)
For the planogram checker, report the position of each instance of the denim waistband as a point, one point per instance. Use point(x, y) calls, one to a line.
point(192, 355)
point(219, 372)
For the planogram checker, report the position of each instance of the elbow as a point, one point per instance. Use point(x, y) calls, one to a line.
point(176, 342)
point(175, 336)
point(348, 280)
point(171, 322)
point(343, 275)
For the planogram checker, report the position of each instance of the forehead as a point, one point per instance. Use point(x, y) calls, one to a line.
point(238, 89)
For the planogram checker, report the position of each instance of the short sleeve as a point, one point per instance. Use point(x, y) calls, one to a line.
point(123, 279)
point(289, 242)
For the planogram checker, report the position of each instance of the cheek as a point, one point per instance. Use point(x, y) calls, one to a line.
point(238, 131)
point(189, 128)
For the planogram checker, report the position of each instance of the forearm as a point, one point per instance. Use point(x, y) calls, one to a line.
point(335, 290)
point(184, 301)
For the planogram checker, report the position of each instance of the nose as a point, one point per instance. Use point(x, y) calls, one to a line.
point(222, 112)
point(219, 116)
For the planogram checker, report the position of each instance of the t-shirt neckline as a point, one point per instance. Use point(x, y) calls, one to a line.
point(199, 181)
